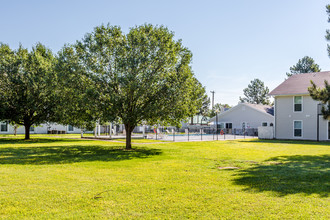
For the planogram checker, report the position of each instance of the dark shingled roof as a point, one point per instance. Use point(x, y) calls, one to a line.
point(299, 83)
point(264, 108)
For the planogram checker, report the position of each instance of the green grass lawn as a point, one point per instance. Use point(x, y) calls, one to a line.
point(54, 178)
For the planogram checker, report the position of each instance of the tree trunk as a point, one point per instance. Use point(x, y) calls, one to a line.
point(27, 131)
point(129, 130)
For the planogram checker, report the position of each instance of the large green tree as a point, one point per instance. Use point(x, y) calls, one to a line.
point(28, 85)
point(256, 93)
point(304, 65)
point(79, 96)
point(142, 76)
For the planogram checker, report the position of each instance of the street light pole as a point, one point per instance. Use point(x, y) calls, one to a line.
point(212, 99)
point(216, 122)
point(318, 121)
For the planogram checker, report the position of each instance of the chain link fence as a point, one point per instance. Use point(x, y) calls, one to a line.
point(178, 134)
point(199, 134)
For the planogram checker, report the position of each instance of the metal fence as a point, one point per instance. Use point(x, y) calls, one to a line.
point(180, 134)
point(199, 134)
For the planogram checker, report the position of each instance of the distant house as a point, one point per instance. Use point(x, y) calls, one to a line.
point(296, 113)
point(6, 128)
point(196, 121)
point(244, 116)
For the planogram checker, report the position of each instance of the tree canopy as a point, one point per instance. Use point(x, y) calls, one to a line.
point(256, 93)
point(218, 107)
point(322, 95)
point(80, 94)
point(304, 65)
point(327, 36)
point(143, 76)
point(28, 86)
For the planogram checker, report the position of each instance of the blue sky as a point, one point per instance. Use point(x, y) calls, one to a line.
point(233, 42)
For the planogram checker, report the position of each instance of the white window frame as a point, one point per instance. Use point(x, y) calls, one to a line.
point(328, 130)
point(228, 123)
point(32, 129)
point(263, 123)
point(69, 129)
point(302, 129)
point(245, 126)
point(302, 104)
point(1, 122)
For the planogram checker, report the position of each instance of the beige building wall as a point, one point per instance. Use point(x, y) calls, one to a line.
point(285, 117)
point(42, 129)
point(242, 113)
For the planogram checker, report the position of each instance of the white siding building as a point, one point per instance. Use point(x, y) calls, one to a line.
point(6, 128)
point(245, 116)
point(296, 113)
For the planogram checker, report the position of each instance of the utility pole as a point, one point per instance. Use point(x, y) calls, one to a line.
point(212, 99)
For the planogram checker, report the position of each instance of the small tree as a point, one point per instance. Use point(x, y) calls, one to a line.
point(205, 101)
point(218, 107)
point(144, 76)
point(28, 85)
point(304, 65)
point(327, 36)
point(322, 95)
point(256, 93)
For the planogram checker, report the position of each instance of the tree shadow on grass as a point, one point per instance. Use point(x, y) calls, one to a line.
point(286, 175)
point(36, 140)
point(71, 154)
point(304, 142)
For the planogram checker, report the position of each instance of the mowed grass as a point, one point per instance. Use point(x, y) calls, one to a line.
point(54, 178)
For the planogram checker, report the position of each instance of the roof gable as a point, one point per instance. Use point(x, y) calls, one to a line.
point(299, 83)
point(264, 109)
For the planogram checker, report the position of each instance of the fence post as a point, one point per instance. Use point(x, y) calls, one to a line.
point(217, 133)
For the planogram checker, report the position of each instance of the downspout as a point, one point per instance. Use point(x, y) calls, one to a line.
point(274, 132)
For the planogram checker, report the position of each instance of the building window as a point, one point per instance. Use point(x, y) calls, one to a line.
point(297, 127)
point(271, 124)
point(264, 124)
point(32, 128)
point(3, 126)
point(298, 103)
point(70, 128)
